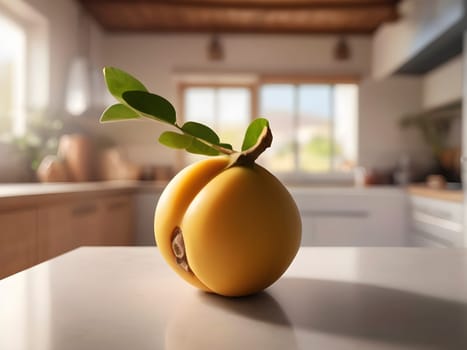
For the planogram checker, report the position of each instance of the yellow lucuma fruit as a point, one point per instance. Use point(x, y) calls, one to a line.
point(228, 230)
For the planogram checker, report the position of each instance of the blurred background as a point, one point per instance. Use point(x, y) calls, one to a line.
point(345, 83)
point(363, 96)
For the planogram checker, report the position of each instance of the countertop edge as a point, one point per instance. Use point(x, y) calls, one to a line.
point(441, 194)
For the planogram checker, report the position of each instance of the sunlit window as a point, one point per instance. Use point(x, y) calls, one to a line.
point(227, 110)
point(315, 126)
point(12, 72)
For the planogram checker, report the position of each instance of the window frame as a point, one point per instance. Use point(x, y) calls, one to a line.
point(297, 175)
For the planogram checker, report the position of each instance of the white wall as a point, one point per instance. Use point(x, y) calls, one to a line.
point(381, 141)
point(443, 84)
point(54, 34)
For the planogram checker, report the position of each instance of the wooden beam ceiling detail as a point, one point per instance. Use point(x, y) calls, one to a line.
point(241, 16)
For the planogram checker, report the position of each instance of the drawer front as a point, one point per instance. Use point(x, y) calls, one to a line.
point(445, 210)
point(427, 240)
point(447, 237)
point(436, 222)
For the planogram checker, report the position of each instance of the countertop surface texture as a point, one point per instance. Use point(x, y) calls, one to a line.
point(330, 298)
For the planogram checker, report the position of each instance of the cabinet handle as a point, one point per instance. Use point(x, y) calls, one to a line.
point(84, 210)
point(336, 213)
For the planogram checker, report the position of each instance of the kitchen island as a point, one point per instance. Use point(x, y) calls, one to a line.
point(330, 298)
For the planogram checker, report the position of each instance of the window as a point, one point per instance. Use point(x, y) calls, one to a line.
point(314, 127)
point(226, 109)
point(12, 71)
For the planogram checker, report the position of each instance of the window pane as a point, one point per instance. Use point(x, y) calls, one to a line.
point(345, 126)
point(12, 54)
point(227, 110)
point(277, 103)
point(314, 134)
point(200, 105)
point(234, 114)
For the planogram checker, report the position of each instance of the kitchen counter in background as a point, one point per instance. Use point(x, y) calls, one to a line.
point(442, 194)
point(331, 216)
point(12, 195)
point(436, 217)
point(41, 221)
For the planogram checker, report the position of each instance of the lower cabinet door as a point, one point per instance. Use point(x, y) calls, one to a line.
point(17, 241)
point(118, 220)
point(54, 231)
point(349, 230)
point(86, 223)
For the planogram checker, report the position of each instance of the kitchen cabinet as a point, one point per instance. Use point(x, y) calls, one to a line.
point(352, 216)
point(54, 231)
point(86, 223)
point(435, 222)
point(43, 226)
point(117, 221)
point(18, 241)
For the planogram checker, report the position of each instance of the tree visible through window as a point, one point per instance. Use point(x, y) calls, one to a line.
point(314, 126)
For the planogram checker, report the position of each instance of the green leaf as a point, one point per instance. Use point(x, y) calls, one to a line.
point(199, 147)
point(226, 145)
point(119, 81)
point(253, 132)
point(151, 105)
point(201, 131)
point(175, 140)
point(188, 142)
point(118, 112)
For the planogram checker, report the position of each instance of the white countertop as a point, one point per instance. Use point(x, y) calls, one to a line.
point(37, 189)
point(330, 298)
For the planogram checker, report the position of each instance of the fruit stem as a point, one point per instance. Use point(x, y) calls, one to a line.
point(248, 157)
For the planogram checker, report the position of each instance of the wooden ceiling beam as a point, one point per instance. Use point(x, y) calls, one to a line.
point(200, 16)
point(247, 3)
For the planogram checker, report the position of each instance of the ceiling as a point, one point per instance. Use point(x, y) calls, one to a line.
point(243, 16)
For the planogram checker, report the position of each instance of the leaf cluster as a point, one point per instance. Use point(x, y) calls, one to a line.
point(136, 102)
